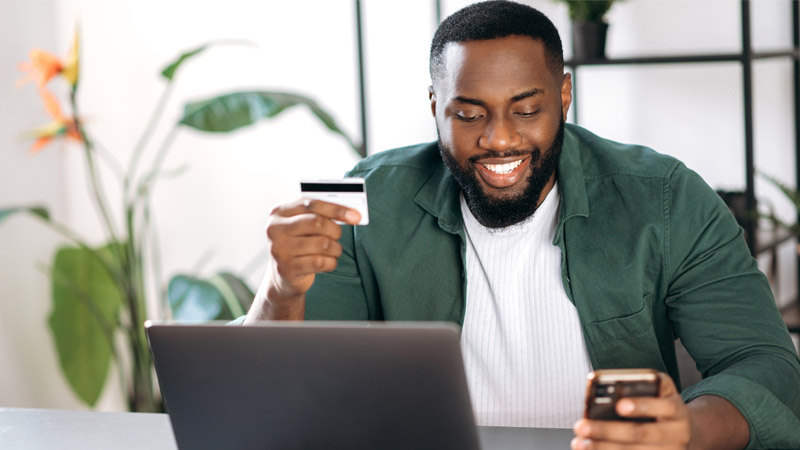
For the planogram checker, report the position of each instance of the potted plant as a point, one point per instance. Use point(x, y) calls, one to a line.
point(589, 27)
point(98, 289)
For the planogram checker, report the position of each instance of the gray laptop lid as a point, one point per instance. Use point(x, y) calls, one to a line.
point(314, 385)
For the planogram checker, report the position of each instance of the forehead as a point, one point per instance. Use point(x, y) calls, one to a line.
point(495, 67)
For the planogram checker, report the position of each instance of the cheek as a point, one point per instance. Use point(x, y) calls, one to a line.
point(448, 133)
point(542, 136)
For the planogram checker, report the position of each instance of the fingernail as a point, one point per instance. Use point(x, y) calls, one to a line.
point(625, 407)
point(579, 444)
point(352, 216)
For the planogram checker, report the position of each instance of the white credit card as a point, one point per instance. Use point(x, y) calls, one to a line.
point(349, 192)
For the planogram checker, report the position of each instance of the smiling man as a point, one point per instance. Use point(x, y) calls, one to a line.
point(557, 251)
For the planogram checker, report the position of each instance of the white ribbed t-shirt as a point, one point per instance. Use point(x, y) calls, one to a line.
point(523, 347)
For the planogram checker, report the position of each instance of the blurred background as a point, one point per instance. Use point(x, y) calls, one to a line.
point(211, 218)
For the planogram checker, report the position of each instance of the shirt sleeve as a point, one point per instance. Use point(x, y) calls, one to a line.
point(336, 295)
point(339, 295)
point(723, 310)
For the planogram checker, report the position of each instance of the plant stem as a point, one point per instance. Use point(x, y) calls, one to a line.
point(145, 137)
point(162, 152)
point(155, 249)
point(131, 280)
point(110, 160)
point(97, 189)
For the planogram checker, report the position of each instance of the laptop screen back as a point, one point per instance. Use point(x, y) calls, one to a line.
point(314, 385)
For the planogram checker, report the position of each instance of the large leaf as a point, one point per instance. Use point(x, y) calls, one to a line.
point(86, 305)
point(232, 111)
point(222, 297)
point(35, 210)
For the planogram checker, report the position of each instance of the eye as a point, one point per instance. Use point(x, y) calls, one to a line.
point(469, 116)
point(528, 114)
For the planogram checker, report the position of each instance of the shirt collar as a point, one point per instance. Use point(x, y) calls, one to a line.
point(574, 201)
point(439, 197)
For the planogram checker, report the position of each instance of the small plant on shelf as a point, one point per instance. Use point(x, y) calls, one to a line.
point(589, 27)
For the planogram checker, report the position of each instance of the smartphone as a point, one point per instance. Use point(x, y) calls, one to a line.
point(349, 192)
point(606, 387)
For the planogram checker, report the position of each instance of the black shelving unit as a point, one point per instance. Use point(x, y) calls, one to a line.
point(759, 241)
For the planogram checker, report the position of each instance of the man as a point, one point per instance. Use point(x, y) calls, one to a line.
point(557, 251)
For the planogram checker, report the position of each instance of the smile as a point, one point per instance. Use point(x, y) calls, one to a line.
point(502, 169)
point(500, 173)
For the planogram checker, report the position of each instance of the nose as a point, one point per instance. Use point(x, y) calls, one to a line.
point(500, 135)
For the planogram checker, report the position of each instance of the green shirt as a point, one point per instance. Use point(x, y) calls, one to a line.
point(650, 253)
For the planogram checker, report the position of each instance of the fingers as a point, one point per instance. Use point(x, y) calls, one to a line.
point(666, 385)
point(671, 428)
point(586, 444)
point(307, 246)
point(303, 240)
point(318, 208)
point(296, 269)
point(667, 405)
point(617, 432)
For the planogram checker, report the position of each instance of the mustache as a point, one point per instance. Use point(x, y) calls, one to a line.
point(535, 155)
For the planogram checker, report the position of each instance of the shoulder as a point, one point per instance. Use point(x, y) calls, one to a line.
point(415, 158)
point(603, 158)
point(402, 171)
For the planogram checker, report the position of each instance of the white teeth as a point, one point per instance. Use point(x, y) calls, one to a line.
point(502, 169)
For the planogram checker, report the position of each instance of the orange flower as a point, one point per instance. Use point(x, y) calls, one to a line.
point(45, 65)
point(60, 126)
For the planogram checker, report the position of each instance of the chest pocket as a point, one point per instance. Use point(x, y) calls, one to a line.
point(625, 342)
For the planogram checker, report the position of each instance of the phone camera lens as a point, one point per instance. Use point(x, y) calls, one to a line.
point(600, 391)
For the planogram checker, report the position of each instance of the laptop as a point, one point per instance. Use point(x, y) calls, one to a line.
point(331, 385)
point(315, 385)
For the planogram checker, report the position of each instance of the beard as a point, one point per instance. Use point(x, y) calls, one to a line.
point(498, 211)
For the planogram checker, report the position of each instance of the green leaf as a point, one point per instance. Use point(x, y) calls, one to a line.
point(238, 296)
point(588, 10)
point(792, 194)
point(35, 210)
point(86, 305)
point(193, 299)
point(235, 110)
point(223, 297)
point(169, 71)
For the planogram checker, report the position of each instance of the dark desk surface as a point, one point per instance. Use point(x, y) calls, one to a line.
point(44, 429)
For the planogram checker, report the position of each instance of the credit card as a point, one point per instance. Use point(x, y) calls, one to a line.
point(349, 192)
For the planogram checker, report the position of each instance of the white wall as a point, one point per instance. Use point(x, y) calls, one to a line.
point(221, 203)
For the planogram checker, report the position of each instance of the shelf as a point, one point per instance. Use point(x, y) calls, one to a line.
point(769, 239)
point(791, 53)
point(678, 59)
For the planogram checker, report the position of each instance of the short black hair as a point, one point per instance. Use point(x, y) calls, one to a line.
point(497, 19)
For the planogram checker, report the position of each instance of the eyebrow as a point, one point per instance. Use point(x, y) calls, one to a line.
point(516, 98)
point(526, 94)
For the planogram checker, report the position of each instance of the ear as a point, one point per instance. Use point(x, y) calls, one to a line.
point(432, 98)
point(566, 94)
